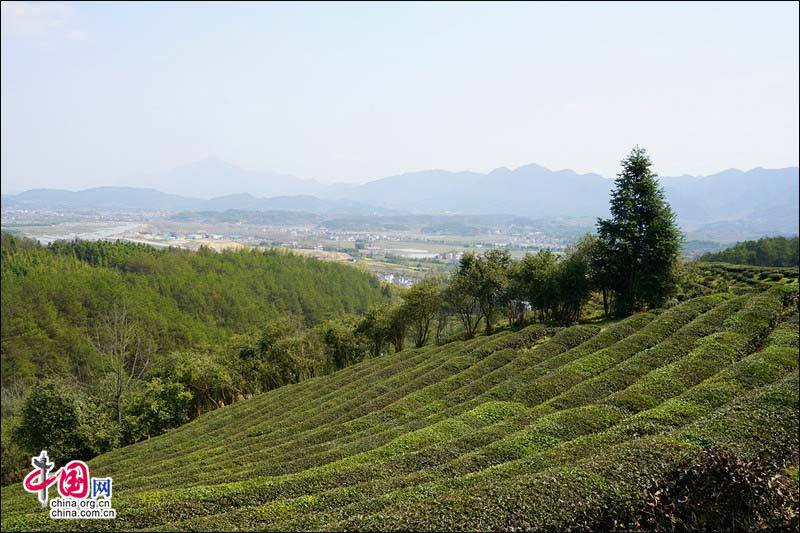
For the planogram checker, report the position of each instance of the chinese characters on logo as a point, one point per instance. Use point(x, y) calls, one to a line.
point(73, 487)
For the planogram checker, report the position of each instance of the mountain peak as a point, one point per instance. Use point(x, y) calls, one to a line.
point(500, 170)
point(532, 166)
point(732, 171)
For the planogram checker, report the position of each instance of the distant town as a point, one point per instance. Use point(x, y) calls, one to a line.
point(398, 251)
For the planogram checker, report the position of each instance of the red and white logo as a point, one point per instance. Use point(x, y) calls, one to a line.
point(74, 484)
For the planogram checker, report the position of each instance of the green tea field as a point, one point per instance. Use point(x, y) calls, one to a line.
point(541, 428)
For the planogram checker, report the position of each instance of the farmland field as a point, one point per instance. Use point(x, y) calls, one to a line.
point(541, 428)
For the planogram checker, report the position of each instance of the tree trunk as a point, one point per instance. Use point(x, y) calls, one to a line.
point(119, 407)
point(398, 344)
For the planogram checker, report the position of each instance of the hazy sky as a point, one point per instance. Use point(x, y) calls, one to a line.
point(94, 93)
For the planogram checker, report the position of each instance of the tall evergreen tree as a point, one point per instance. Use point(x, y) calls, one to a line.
point(641, 238)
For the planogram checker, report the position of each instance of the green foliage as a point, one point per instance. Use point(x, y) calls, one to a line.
point(554, 289)
point(484, 279)
point(459, 299)
point(703, 278)
point(518, 430)
point(64, 421)
point(398, 326)
point(716, 491)
point(157, 407)
point(211, 382)
point(534, 280)
point(377, 328)
point(574, 282)
point(641, 242)
point(421, 303)
point(179, 299)
point(768, 251)
point(540, 427)
point(344, 346)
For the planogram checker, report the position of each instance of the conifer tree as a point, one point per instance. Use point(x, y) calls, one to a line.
point(641, 238)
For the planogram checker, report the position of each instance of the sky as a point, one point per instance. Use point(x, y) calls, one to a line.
point(95, 93)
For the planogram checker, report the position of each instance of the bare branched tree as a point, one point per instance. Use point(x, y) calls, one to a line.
point(123, 356)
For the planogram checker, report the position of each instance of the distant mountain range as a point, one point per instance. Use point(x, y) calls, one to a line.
point(140, 199)
point(726, 206)
point(213, 177)
point(533, 190)
point(530, 190)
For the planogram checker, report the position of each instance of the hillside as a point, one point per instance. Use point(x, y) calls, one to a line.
point(769, 251)
point(52, 296)
point(536, 429)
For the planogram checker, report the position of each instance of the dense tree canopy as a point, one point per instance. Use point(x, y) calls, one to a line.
point(60, 419)
point(54, 297)
point(769, 251)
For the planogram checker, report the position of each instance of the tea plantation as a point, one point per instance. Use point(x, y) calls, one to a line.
point(542, 428)
point(741, 277)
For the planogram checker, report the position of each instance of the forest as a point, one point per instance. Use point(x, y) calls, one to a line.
point(769, 251)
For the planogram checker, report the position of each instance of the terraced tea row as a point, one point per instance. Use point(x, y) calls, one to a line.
point(540, 428)
point(728, 276)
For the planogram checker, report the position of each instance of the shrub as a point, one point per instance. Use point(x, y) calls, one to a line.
point(714, 492)
point(64, 421)
point(157, 407)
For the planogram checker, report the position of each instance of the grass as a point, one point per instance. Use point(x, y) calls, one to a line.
point(535, 429)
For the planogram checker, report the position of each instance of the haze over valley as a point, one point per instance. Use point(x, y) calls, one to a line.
point(430, 215)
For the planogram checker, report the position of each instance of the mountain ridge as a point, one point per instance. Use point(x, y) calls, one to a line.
point(213, 177)
point(732, 204)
